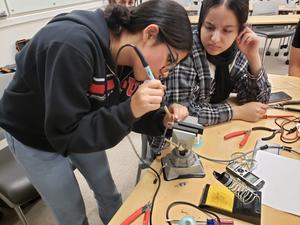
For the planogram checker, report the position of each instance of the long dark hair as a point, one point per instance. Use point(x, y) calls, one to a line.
point(171, 17)
point(240, 8)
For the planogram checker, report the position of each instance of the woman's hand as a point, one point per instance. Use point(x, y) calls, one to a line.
point(177, 113)
point(147, 97)
point(251, 112)
point(248, 43)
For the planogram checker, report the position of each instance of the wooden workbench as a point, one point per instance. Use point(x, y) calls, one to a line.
point(214, 147)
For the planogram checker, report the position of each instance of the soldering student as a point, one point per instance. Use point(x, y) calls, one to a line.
point(224, 59)
point(63, 108)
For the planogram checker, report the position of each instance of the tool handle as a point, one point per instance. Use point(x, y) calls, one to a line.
point(268, 137)
point(291, 109)
point(146, 220)
point(297, 102)
point(263, 128)
point(149, 73)
point(234, 134)
point(245, 139)
point(133, 217)
point(275, 116)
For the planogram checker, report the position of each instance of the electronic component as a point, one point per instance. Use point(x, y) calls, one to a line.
point(264, 145)
point(246, 176)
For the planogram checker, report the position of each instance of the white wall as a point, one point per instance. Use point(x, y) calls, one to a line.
point(24, 26)
point(4, 81)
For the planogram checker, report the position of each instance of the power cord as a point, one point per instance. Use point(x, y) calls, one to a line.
point(282, 147)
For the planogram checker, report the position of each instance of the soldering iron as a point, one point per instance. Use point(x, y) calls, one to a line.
point(145, 65)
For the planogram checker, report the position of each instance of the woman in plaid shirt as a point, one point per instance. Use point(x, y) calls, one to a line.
point(224, 59)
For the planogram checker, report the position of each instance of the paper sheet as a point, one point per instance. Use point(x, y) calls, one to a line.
point(282, 175)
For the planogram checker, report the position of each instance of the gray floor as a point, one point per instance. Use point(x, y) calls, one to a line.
point(123, 164)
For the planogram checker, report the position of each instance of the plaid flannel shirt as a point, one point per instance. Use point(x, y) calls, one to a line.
point(191, 84)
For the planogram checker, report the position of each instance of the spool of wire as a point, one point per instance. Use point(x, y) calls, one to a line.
point(238, 187)
point(187, 220)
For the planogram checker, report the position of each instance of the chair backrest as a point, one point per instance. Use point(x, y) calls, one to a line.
point(15, 187)
point(265, 8)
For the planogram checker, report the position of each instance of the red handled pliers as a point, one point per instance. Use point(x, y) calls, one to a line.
point(144, 209)
point(246, 134)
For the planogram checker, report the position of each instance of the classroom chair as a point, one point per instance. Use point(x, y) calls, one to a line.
point(15, 188)
point(270, 32)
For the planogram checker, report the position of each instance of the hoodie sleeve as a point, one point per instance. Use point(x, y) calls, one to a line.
point(70, 125)
point(151, 123)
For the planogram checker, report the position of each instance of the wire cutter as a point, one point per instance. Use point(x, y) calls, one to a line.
point(283, 106)
point(247, 133)
point(144, 209)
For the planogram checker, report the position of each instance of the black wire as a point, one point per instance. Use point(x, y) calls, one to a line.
point(138, 52)
point(157, 179)
point(295, 151)
point(155, 194)
point(158, 185)
point(192, 205)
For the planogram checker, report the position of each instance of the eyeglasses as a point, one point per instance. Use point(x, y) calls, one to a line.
point(172, 61)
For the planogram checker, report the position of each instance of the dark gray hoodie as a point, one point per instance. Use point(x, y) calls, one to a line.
point(63, 98)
